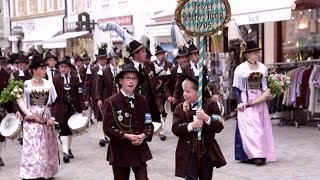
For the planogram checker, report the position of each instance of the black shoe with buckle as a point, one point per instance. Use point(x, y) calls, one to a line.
point(66, 158)
point(1, 162)
point(102, 142)
point(70, 154)
point(162, 137)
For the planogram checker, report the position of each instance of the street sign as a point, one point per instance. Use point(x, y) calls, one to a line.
point(202, 17)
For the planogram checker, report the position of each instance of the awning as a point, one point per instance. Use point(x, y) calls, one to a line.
point(37, 36)
point(61, 40)
point(255, 12)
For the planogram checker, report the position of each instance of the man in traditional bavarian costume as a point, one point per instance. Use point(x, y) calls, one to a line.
point(128, 124)
point(7, 107)
point(90, 90)
point(67, 103)
point(162, 68)
point(176, 71)
point(85, 69)
point(192, 69)
point(22, 64)
point(52, 69)
point(138, 54)
point(106, 86)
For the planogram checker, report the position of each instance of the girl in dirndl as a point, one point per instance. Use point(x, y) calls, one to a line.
point(39, 158)
point(254, 138)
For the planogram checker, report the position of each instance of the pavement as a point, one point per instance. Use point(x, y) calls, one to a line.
point(297, 157)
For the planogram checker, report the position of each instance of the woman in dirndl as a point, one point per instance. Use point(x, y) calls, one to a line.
point(39, 158)
point(254, 138)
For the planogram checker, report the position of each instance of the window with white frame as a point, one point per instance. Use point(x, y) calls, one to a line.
point(60, 4)
point(40, 6)
point(73, 6)
point(89, 4)
point(50, 6)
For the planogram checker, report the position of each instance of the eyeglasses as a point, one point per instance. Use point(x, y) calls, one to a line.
point(134, 79)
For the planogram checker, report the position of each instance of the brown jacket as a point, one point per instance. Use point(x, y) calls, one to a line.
point(90, 86)
point(169, 86)
point(105, 84)
point(121, 152)
point(187, 139)
point(26, 76)
point(82, 72)
point(153, 83)
point(58, 105)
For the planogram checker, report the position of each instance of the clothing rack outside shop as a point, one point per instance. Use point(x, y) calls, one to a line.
point(310, 116)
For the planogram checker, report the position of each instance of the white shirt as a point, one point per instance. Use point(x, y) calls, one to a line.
point(136, 64)
point(125, 95)
point(195, 69)
point(50, 77)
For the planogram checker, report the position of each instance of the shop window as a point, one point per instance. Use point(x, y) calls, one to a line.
point(301, 36)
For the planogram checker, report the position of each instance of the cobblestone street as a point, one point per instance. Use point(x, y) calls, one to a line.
point(297, 153)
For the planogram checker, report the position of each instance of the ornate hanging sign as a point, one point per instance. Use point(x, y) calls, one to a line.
point(202, 17)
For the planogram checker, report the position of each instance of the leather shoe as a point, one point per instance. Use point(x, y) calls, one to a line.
point(259, 161)
point(162, 137)
point(102, 142)
point(66, 158)
point(70, 154)
point(1, 162)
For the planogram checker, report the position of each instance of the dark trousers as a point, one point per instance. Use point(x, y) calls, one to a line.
point(202, 172)
point(123, 173)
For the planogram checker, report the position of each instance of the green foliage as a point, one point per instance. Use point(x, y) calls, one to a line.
point(13, 91)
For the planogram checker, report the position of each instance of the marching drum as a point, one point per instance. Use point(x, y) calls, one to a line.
point(79, 124)
point(11, 127)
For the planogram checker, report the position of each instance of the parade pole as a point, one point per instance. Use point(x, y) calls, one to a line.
point(200, 80)
point(200, 18)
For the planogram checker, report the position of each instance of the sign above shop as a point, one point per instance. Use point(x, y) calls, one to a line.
point(121, 20)
point(202, 17)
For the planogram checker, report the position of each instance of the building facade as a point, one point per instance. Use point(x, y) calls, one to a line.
point(33, 21)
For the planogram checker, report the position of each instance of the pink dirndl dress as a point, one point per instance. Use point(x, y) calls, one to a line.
point(40, 155)
point(254, 122)
point(256, 129)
